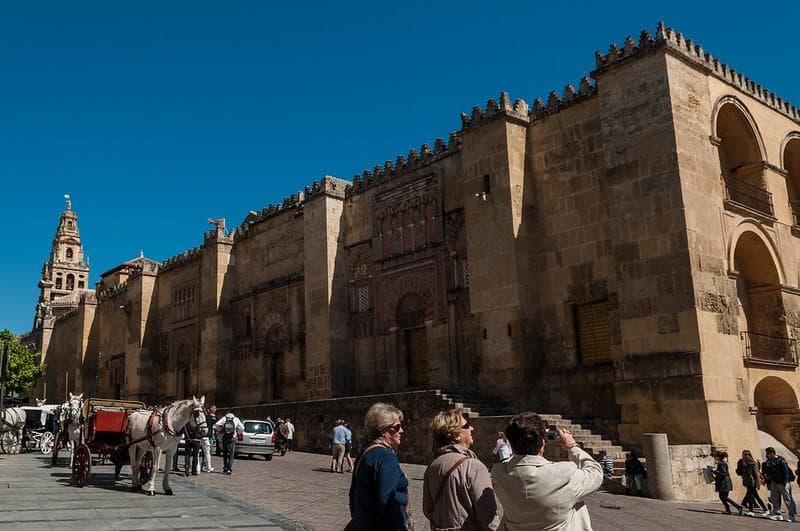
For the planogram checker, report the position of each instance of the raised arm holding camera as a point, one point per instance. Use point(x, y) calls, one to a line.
point(539, 494)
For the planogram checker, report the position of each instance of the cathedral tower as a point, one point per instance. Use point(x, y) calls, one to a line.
point(65, 275)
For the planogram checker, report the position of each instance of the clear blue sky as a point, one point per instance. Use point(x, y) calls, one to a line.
point(155, 116)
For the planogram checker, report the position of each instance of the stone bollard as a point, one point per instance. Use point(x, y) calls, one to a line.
point(659, 466)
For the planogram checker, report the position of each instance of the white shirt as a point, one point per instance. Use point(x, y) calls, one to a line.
point(236, 422)
point(290, 427)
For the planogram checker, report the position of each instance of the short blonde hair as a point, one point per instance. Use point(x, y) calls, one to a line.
point(446, 425)
point(381, 416)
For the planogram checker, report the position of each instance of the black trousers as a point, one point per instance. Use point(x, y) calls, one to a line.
point(228, 451)
point(190, 455)
point(751, 498)
point(723, 497)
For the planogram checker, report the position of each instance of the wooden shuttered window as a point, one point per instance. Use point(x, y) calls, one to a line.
point(594, 332)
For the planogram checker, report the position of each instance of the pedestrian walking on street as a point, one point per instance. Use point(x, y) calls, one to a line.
point(191, 449)
point(723, 484)
point(211, 419)
point(634, 474)
point(748, 468)
point(457, 489)
point(290, 435)
point(348, 447)
point(501, 448)
point(339, 438)
point(779, 479)
point(230, 427)
point(379, 489)
point(536, 493)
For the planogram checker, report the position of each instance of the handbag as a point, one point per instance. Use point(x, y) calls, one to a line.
point(623, 480)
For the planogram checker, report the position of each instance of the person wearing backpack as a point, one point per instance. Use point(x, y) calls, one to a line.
point(457, 490)
point(779, 478)
point(230, 426)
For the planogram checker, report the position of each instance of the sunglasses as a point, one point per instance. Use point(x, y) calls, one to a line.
point(466, 425)
point(395, 428)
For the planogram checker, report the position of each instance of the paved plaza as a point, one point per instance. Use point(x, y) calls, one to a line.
point(296, 491)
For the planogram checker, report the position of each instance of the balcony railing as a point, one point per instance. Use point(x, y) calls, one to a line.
point(746, 194)
point(762, 349)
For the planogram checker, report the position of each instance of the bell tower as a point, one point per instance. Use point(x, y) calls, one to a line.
point(65, 275)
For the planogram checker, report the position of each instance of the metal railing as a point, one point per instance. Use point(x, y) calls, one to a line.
point(771, 350)
point(747, 194)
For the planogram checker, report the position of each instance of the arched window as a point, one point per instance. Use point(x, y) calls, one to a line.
point(791, 163)
point(69, 252)
point(58, 283)
point(741, 158)
point(70, 281)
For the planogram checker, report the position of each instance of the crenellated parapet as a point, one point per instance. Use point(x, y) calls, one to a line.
point(687, 48)
point(556, 102)
point(405, 163)
point(66, 315)
point(113, 291)
point(494, 109)
point(187, 256)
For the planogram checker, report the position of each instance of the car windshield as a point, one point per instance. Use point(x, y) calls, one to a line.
point(257, 427)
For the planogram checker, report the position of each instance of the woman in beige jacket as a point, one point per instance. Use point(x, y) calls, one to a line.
point(536, 493)
point(457, 492)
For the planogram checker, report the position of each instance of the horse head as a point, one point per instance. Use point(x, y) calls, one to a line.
point(191, 412)
point(72, 410)
point(40, 402)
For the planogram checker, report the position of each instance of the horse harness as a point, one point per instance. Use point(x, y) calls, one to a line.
point(160, 417)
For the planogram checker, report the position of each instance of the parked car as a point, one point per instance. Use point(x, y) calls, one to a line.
point(258, 438)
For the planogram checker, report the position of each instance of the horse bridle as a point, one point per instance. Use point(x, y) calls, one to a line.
point(197, 410)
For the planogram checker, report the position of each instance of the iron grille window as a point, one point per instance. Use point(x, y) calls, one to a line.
point(363, 298)
point(465, 271)
point(593, 332)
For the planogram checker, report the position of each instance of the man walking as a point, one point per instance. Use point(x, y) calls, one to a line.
point(230, 426)
point(211, 419)
point(290, 434)
point(339, 438)
point(779, 478)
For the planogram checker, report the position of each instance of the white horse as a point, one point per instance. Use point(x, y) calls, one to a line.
point(12, 423)
point(158, 431)
point(71, 413)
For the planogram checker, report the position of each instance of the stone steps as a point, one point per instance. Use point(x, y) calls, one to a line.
point(586, 437)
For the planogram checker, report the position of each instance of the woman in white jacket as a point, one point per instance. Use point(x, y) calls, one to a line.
point(536, 493)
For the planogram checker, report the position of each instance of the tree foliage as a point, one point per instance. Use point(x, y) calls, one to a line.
point(24, 368)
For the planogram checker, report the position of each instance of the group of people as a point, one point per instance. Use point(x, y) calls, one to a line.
point(774, 473)
point(227, 427)
point(458, 490)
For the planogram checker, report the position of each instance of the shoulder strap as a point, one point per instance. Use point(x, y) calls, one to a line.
point(365, 452)
point(443, 484)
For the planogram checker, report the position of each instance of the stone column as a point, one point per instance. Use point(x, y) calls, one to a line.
point(659, 466)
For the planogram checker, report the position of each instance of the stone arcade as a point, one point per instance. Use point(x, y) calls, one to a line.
point(627, 251)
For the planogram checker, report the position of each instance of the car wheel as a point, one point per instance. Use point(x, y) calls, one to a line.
point(268, 457)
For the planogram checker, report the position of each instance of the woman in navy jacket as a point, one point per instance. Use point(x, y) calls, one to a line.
point(379, 491)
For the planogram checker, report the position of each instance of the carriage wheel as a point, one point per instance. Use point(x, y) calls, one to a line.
point(81, 465)
point(146, 468)
point(7, 441)
point(46, 443)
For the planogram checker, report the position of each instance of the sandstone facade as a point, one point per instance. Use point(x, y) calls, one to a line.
point(626, 251)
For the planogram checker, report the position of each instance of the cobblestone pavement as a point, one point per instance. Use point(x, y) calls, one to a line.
point(35, 495)
point(301, 487)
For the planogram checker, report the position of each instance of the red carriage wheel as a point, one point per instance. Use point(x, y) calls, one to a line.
point(81, 465)
point(146, 468)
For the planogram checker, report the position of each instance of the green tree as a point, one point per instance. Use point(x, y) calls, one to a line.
point(23, 365)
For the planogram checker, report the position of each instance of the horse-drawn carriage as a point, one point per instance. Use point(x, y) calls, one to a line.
point(39, 424)
point(124, 432)
point(103, 438)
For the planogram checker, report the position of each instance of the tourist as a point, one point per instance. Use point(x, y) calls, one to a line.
point(501, 448)
point(191, 449)
point(229, 426)
point(282, 438)
point(379, 489)
point(634, 474)
point(607, 464)
point(339, 438)
point(779, 478)
point(290, 436)
point(457, 490)
point(748, 469)
point(722, 482)
point(536, 493)
point(211, 419)
point(348, 447)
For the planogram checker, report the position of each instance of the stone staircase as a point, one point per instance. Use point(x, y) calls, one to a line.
point(587, 438)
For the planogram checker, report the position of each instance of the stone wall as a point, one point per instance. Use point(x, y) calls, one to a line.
point(688, 462)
